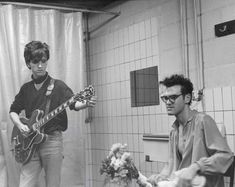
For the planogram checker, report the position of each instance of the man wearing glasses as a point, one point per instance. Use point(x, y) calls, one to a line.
point(196, 145)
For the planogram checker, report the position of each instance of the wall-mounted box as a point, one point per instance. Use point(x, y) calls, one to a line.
point(156, 147)
point(144, 87)
point(225, 28)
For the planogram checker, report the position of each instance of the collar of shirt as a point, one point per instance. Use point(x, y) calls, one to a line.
point(176, 123)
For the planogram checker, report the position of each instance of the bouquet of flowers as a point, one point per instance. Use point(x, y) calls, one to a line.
point(119, 168)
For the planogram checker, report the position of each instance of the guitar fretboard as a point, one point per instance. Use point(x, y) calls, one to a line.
point(54, 113)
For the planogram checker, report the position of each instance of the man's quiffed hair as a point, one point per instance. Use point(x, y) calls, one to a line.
point(35, 49)
point(176, 79)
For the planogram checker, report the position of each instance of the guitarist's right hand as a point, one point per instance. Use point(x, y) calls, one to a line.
point(16, 120)
point(23, 129)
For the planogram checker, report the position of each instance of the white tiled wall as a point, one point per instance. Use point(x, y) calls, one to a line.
point(147, 33)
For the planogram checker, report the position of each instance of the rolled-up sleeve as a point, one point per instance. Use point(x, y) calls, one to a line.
point(18, 104)
point(220, 155)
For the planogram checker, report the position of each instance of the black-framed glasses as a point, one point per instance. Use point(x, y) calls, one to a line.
point(170, 98)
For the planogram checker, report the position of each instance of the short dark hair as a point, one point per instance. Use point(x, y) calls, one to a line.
point(178, 79)
point(35, 49)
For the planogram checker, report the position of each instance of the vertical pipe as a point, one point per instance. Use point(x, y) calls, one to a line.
point(198, 43)
point(184, 36)
point(89, 117)
point(87, 61)
point(199, 47)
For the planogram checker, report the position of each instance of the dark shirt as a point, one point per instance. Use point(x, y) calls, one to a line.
point(30, 99)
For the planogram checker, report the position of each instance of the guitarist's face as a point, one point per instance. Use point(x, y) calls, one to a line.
point(38, 66)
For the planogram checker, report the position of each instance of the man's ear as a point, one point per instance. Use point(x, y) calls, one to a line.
point(28, 66)
point(187, 98)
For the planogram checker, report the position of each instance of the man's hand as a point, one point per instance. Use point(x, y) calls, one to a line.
point(154, 179)
point(86, 103)
point(24, 129)
point(91, 102)
point(188, 173)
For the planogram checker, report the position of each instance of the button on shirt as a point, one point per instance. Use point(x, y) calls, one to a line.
point(202, 144)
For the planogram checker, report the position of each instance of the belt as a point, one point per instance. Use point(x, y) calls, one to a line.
point(54, 132)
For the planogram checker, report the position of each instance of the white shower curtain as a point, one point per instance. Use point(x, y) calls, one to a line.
point(63, 33)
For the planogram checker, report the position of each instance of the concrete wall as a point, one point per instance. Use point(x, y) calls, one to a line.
point(148, 33)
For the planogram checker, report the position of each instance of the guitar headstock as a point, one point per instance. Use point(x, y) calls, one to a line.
point(85, 94)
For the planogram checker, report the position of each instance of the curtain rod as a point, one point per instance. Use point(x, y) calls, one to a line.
point(59, 8)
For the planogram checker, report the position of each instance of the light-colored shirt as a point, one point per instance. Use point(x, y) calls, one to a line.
point(204, 145)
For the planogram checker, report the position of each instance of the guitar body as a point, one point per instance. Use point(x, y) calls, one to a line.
point(24, 147)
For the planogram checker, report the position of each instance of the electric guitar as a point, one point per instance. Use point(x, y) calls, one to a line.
point(25, 146)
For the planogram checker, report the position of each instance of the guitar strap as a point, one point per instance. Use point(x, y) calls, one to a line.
point(48, 93)
point(48, 102)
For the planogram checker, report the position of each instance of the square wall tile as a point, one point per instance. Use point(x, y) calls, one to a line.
point(128, 105)
point(121, 55)
point(115, 39)
point(155, 45)
point(148, 47)
point(140, 110)
point(123, 107)
point(208, 99)
point(142, 30)
point(135, 124)
point(136, 158)
point(218, 99)
point(228, 122)
point(230, 140)
point(125, 36)
point(165, 124)
point(154, 26)
point(137, 51)
point(158, 127)
point(126, 53)
point(135, 142)
point(118, 123)
point(147, 28)
point(121, 37)
point(131, 51)
point(141, 124)
point(129, 129)
point(219, 117)
point(136, 32)
point(130, 142)
point(227, 98)
point(153, 128)
point(131, 33)
point(146, 124)
point(212, 114)
point(143, 49)
point(233, 97)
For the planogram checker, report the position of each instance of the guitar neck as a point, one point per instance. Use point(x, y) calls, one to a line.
point(54, 113)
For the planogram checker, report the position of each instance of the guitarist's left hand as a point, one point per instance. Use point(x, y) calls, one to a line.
point(87, 103)
point(91, 102)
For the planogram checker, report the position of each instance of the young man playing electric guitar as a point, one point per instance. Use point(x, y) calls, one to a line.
point(42, 147)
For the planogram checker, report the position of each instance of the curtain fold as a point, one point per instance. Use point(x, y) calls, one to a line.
point(63, 33)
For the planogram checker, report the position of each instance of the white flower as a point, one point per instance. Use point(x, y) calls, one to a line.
point(117, 150)
point(116, 163)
